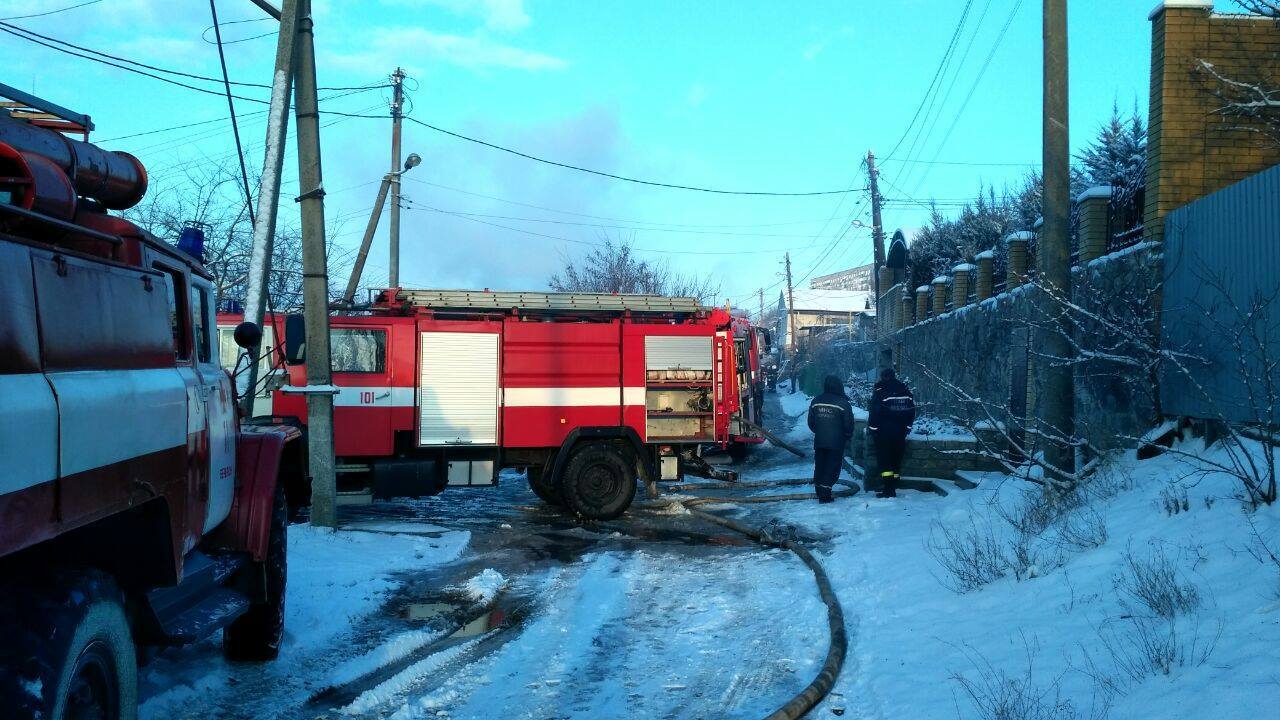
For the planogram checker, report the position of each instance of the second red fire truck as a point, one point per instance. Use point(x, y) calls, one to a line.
point(585, 392)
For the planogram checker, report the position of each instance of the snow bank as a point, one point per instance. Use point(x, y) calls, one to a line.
point(1058, 623)
point(336, 581)
point(483, 588)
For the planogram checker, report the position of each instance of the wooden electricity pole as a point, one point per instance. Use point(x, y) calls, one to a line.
point(397, 107)
point(315, 281)
point(1056, 391)
point(762, 307)
point(792, 331)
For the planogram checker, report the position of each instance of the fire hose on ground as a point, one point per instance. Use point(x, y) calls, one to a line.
point(808, 698)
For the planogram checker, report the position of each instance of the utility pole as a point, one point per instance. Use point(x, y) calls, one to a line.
point(1056, 389)
point(315, 280)
point(397, 106)
point(877, 229)
point(348, 297)
point(762, 307)
point(264, 227)
point(791, 322)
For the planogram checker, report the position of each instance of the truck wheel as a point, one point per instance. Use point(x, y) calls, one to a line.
point(68, 651)
point(738, 451)
point(539, 484)
point(256, 635)
point(598, 483)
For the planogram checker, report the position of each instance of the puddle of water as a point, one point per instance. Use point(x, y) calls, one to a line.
point(482, 624)
point(428, 611)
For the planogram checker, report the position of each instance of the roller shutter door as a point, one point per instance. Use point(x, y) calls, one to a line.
point(670, 353)
point(458, 389)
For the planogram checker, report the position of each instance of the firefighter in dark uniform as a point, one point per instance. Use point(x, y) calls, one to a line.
point(831, 420)
point(893, 409)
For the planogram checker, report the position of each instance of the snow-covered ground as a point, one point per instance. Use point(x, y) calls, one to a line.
point(336, 581)
point(657, 615)
point(1064, 625)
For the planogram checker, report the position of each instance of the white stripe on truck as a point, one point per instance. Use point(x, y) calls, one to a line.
point(112, 415)
point(28, 432)
point(572, 396)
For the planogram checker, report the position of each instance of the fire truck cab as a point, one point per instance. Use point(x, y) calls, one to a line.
point(134, 508)
point(586, 393)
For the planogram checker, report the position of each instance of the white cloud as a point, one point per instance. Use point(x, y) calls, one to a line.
point(697, 94)
point(415, 48)
point(504, 15)
point(817, 47)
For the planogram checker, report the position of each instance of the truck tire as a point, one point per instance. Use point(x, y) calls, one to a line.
point(541, 486)
point(68, 651)
point(598, 482)
point(256, 635)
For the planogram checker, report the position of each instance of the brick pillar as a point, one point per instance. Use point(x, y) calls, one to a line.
point(961, 279)
point(1091, 206)
point(1019, 244)
point(940, 294)
point(922, 303)
point(986, 274)
point(906, 313)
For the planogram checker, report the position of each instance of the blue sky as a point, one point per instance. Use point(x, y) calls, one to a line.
point(753, 95)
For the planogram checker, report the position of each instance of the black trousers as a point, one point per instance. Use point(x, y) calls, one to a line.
point(889, 450)
point(826, 469)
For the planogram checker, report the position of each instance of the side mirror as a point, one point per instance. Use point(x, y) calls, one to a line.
point(295, 340)
point(247, 335)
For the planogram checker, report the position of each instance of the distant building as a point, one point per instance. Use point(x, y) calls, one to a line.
point(858, 279)
point(843, 308)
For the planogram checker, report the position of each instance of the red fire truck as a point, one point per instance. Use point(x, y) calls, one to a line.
point(134, 508)
point(584, 392)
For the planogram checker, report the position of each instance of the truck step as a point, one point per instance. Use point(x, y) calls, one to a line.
point(198, 604)
point(214, 611)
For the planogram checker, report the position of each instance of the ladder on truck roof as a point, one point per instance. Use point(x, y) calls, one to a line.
point(555, 301)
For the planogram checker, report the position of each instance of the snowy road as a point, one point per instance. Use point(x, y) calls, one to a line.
point(656, 615)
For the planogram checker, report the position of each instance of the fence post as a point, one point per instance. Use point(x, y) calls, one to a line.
point(940, 294)
point(1018, 243)
point(922, 303)
point(986, 281)
point(961, 279)
point(1092, 208)
point(905, 312)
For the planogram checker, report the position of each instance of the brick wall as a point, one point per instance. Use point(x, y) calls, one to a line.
point(1193, 150)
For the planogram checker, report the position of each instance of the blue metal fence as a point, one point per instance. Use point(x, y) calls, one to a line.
point(1222, 303)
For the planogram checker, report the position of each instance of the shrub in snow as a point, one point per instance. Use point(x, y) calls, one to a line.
point(970, 556)
point(1154, 583)
point(997, 695)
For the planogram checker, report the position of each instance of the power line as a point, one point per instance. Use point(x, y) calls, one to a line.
point(936, 76)
point(606, 217)
point(976, 81)
point(962, 163)
point(469, 217)
point(13, 30)
point(626, 227)
point(51, 12)
point(654, 183)
point(178, 73)
point(231, 108)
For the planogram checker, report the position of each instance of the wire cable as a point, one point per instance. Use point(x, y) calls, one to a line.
point(231, 108)
point(623, 178)
point(118, 59)
point(51, 12)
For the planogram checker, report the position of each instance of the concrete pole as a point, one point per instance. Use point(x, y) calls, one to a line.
point(397, 106)
point(792, 331)
point(877, 227)
point(315, 281)
point(264, 226)
point(1056, 391)
point(357, 269)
